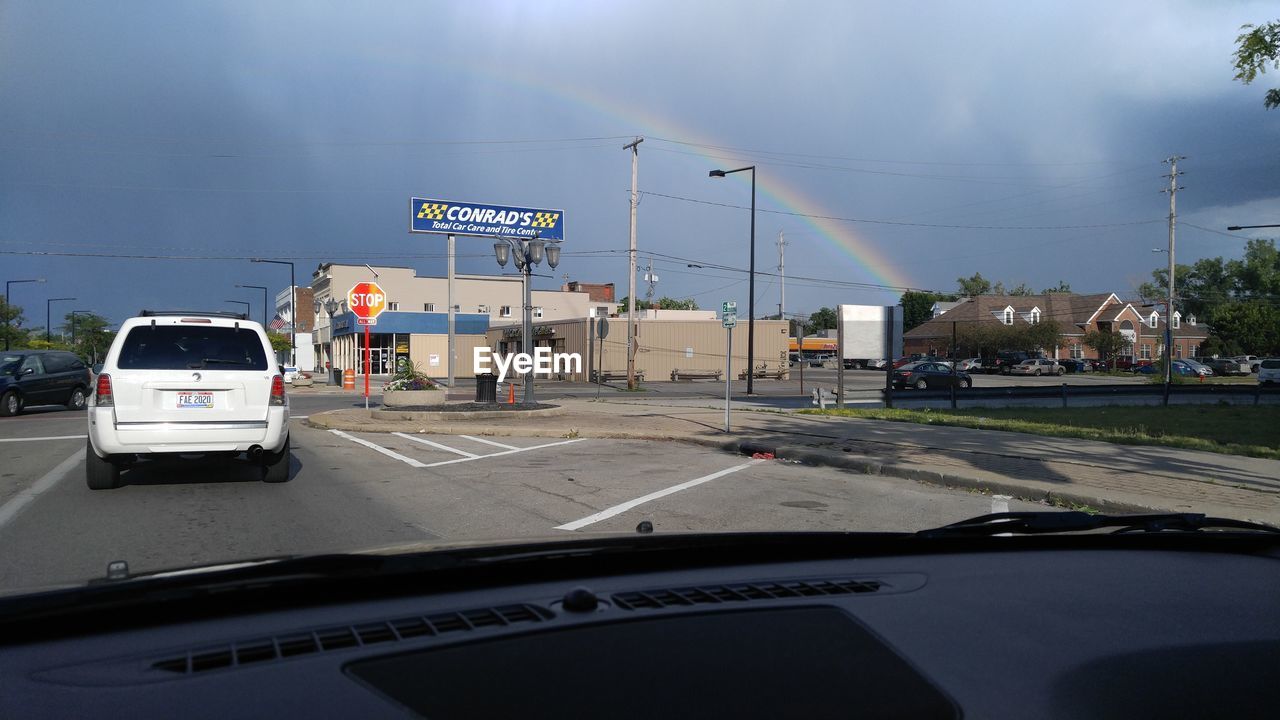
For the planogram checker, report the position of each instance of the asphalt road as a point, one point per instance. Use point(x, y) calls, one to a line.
point(363, 490)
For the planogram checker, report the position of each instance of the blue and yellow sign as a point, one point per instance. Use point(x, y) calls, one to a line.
point(461, 218)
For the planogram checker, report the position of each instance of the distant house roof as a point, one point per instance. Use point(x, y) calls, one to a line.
point(941, 307)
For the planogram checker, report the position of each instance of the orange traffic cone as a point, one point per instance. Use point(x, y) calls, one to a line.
point(511, 394)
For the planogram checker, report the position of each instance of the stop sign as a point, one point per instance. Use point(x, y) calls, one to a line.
point(366, 300)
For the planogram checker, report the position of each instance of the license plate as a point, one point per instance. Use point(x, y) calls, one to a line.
point(195, 400)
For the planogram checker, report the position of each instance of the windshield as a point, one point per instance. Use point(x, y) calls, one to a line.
point(506, 271)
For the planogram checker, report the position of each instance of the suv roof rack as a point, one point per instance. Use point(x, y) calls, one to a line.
point(208, 313)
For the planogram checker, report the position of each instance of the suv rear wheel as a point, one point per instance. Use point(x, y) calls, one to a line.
point(76, 401)
point(275, 466)
point(921, 384)
point(100, 473)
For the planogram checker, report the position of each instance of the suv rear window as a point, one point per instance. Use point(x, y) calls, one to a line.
point(1271, 364)
point(178, 347)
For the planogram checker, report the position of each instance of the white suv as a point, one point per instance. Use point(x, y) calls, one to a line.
point(1269, 371)
point(176, 383)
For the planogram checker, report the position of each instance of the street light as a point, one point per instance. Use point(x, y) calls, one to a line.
point(1249, 227)
point(48, 316)
point(751, 281)
point(7, 283)
point(526, 254)
point(264, 300)
point(293, 313)
point(245, 304)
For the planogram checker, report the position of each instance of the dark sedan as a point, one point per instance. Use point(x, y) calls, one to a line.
point(929, 375)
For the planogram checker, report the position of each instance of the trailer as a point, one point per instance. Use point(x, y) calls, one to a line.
point(865, 333)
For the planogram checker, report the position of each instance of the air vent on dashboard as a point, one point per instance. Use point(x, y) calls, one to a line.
point(345, 636)
point(743, 592)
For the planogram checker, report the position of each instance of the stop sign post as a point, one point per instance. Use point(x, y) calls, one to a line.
point(367, 301)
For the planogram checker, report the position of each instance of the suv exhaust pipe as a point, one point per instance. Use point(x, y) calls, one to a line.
point(255, 452)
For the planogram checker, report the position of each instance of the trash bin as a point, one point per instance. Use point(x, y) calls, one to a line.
point(487, 388)
point(337, 376)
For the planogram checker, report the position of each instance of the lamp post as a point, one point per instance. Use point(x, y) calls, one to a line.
point(264, 300)
point(1249, 227)
point(48, 316)
point(245, 304)
point(7, 283)
point(74, 313)
point(293, 313)
point(526, 254)
point(751, 279)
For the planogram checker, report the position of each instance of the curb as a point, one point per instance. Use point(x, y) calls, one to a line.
point(442, 415)
point(810, 456)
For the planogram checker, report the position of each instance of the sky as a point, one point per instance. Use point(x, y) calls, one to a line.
point(148, 149)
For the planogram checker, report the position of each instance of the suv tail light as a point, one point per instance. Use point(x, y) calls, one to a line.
point(102, 395)
point(277, 390)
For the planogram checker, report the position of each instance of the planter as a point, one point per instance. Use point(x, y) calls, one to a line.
point(412, 398)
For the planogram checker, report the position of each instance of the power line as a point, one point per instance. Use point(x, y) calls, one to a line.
point(907, 224)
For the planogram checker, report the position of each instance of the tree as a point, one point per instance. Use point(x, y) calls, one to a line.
point(1022, 290)
point(1063, 287)
point(917, 306)
point(823, 319)
point(1257, 48)
point(280, 342)
point(663, 303)
point(1106, 344)
point(1251, 326)
point(92, 335)
point(12, 334)
point(972, 286)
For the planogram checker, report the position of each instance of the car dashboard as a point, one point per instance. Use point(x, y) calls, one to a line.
point(1067, 632)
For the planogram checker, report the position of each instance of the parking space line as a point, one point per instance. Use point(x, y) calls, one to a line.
point(490, 442)
point(505, 452)
point(619, 509)
point(47, 437)
point(378, 448)
point(436, 445)
point(10, 510)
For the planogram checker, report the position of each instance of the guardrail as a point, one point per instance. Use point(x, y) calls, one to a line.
point(1066, 392)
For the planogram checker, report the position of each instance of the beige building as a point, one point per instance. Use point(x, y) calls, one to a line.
point(694, 344)
point(415, 326)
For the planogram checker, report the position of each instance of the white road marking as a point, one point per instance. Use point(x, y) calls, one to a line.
point(498, 454)
point(48, 437)
point(436, 445)
point(373, 446)
point(490, 442)
point(299, 417)
point(1000, 503)
point(619, 509)
point(10, 510)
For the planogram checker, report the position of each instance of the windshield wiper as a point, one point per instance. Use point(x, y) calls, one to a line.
point(1036, 523)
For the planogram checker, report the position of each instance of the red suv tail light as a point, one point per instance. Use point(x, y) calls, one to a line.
point(102, 395)
point(277, 391)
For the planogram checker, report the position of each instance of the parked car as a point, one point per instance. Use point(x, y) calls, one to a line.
point(1201, 369)
point(181, 384)
point(1229, 366)
point(1076, 365)
point(1003, 361)
point(1253, 361)
point(1269, 371)
point(1037, 367)
point(1180, 367)
point(970, 365)
point(42, 377)
point(923, 375)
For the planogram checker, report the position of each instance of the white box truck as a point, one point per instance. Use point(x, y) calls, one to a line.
point(863, 331)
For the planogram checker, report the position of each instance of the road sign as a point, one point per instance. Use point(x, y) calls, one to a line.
point(729, 320)
point(367, 301)
point(464, 218)
point(728, 307)
point(366, 321)
point(602, 328)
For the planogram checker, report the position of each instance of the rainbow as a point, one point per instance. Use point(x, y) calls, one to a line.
point(839, 234)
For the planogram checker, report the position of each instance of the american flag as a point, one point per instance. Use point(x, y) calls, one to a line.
point(276, 323)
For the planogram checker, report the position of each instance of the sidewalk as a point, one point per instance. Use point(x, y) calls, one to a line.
point(1116, 478)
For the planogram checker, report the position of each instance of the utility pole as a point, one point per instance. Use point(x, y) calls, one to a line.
point(1168, 308)
point(782, 276)
point(634, 147)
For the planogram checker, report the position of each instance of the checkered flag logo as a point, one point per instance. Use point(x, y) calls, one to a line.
point(432, 211)
point(545, 219)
